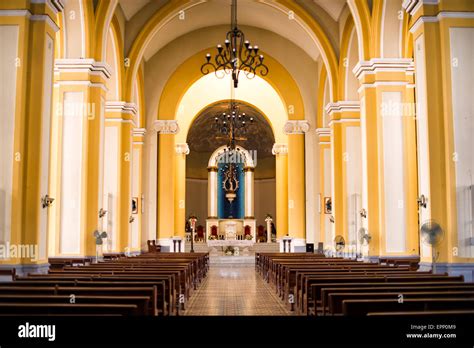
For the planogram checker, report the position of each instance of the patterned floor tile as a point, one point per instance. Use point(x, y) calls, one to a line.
point(235, 290)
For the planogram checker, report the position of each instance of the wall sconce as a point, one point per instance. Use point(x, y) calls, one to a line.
point(131, 219)
point(331, 218)
point(102, 212)
point(363, 213)
point(422, 201)
point(46, 201)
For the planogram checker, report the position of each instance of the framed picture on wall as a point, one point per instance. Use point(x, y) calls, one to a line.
point(134, 205)
point(327, 205)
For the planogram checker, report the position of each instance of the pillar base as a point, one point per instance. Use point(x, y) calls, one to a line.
point(453, 269)
point(167, 244)
point(298, 245)
point(23, 270)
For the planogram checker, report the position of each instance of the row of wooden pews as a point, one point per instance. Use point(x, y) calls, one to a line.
point(151, 284)
point(312, 284)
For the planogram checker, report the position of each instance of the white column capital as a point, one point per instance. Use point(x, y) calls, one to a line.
point(89, 65)
point(280, 149)
point(296, 127)
point(182, 149)
point(343, 106)
point(411, 6)
point(121, 106)
point(139, 132)
point(166, 126)
point(376, 65)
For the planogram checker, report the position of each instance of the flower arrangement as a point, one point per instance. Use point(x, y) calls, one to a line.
point(212, 237)
point(248, 237)
point(229, 251)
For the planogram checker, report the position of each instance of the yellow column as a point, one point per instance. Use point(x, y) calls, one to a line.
point(433, 28)
point(337, 179)
point(343, 114)
point(120, 115)
point(166, 179)
point(324, 143)
point(137, 184)
point(182, 150)
point(81, 95)
point(28, 63)
point(386, 93)
point(281, 153)
point(296, 180)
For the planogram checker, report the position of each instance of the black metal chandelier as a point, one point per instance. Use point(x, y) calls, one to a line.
point(232, 124)
point(236, 55)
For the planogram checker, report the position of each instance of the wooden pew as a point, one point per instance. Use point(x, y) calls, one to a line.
point(68, 309)
point(141, 303)
point(328, 281)
point(397, 288)
point(363, 307)
point(336, 300)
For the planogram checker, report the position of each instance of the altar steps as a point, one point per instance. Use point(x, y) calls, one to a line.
point(256, 248)
point(198, 247)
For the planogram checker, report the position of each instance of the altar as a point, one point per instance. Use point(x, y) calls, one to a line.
point(234, 230)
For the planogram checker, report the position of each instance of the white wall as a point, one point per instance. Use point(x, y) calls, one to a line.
point(422, 134)
point(111, 165)
point(45, 141)
point(352, 83)
point(135, 193)
point(71, 173)
point(393, 173)
point(8, 72)
point(111, 59)
point(353, 155)
point(462, 84)
point(74, 30)
point(328, 233)
point(390, 45)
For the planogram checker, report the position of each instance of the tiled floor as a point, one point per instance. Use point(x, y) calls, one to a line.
point(235, 290)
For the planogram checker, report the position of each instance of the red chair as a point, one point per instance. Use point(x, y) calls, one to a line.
point(200, 233)
point(247, 231)
point(214, 231)
point(261, 234)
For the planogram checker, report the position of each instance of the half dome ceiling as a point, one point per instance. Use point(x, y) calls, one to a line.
point(203, 138)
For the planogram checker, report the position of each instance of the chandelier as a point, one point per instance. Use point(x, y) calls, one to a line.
point(236, 55)
point(232, 124)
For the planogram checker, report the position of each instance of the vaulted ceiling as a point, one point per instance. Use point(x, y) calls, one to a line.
point(261, 14)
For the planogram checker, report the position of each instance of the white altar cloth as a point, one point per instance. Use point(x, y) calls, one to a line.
point(234, 243)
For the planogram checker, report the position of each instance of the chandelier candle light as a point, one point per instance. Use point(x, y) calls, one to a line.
point(236, 55)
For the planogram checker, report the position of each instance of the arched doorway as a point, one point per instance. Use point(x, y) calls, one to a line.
point(257, 191)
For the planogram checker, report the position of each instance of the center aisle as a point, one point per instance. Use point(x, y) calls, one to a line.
point(235, 290)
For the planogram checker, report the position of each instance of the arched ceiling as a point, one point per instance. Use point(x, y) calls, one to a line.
point(250, 13)
point(131, 7)
point(332, 7)
point(203, 138)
